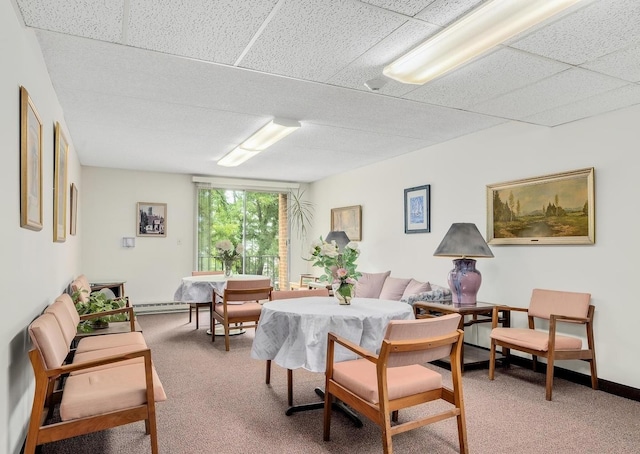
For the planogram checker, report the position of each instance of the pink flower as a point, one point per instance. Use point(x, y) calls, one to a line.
point(342, 273)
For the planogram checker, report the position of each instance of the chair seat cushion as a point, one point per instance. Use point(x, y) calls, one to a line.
point(106, 390)
point(99, 342)
point(536, 340)
point(360, 377)
point(240, 310)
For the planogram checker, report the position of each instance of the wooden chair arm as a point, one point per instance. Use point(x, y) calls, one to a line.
point(128, 310)
point(566, 318)
point(68, 368)
point(502, 308)
point(355, 348)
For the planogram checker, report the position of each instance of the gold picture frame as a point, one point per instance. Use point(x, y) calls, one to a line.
point(551, 209)
point(151, 219)
point(30, 164)
point(73, 202)
point(349, 220)
point(60, 185)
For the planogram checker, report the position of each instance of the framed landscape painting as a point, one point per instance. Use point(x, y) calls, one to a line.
point(551, 209)
point(60, 186)
point(152, 219)
point(417, 209)
point(73, 218)
point(30, 164)
point(349, 220)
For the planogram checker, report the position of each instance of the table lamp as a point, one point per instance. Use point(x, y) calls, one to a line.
point(465, 241)
point(340, 237)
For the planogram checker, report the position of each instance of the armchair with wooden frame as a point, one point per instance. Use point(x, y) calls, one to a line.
point(568, 308)
point(239, 304)
point(288, 294)
point(197, 305)
point(378, 386)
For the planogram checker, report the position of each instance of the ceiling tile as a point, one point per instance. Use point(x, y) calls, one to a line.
point(624, 64)
point(203, 29)
point(555, 91)
point(612, 100)
point(314, 40)
point(408, 7)
point(444, 12)
point(96, 19)
point(591, 32)
point(485, 78)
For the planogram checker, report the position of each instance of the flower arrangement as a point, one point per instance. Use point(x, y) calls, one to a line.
point(339, 267)
point(228, 254)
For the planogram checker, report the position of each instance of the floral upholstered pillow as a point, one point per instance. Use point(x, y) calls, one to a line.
point(415, 287)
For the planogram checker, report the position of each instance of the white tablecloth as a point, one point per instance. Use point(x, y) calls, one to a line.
point(199, 289)
point(293, 332)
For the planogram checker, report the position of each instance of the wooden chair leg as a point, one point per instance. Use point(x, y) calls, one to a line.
point(492, 359)
point(394, 416)
point(549, 385)
point(226, 336)
point(190, 307)
point(267, 378)
point(327, 415)
point(385, 426)
point(197, 317)
point(594, 374)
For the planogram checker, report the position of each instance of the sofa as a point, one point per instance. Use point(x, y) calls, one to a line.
point(408, 290)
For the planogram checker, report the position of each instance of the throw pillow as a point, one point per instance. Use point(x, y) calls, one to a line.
point(393, 288)
point(415, 287)
point(369, 285)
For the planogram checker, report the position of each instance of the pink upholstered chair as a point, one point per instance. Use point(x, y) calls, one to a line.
point(378, 386)
point(239, 303)
point(554, 306)
point(282, 295)
point(196, 306)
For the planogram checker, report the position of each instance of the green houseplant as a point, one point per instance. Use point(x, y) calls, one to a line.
point(97, 303)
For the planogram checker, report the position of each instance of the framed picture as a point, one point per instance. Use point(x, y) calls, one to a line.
point(30, 164)
point(349, 220)
point(552, 209)
point(73, 219)
point(417, 209)
point(60, 186)
point(152, 219)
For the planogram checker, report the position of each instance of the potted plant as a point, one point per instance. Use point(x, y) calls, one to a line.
point(98, 302)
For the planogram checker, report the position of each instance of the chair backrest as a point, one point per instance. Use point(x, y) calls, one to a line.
point(420, 330)
point(47, 337)
point(248, 289)
point(546, 302)
point(82, 286)
point(287, 294)
point(66, 315)
point(205, 273)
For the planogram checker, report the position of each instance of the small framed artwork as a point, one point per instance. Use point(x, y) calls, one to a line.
point(551, 209)
point(61, 147)
point(30, 164)
point(73, 202)
point(349, 220)
point(152, 219)
point(417, 209)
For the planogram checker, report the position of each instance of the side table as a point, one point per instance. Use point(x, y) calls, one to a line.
point(473, 356)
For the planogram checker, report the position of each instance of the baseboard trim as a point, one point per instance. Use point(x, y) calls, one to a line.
point(607, 386)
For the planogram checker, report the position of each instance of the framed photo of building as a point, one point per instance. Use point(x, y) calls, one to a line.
point(550, 209)
point(30, 164)
point(349, 220)
point(417, 209)
point(60, 185)
point(73, 202)
point(152, 219)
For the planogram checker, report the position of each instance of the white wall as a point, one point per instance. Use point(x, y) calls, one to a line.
point(458, 172)
point(108, 211)
point(34, 269)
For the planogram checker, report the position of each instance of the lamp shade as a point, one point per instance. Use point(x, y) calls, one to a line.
point(340, 237)
point(463, 240)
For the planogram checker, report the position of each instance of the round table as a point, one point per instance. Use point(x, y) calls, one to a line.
point(293, 332)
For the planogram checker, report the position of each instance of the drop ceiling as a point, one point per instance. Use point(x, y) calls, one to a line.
point(173, 85)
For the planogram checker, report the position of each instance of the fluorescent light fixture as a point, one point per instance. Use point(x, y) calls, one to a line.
point(486, 26)
point(266, 136)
